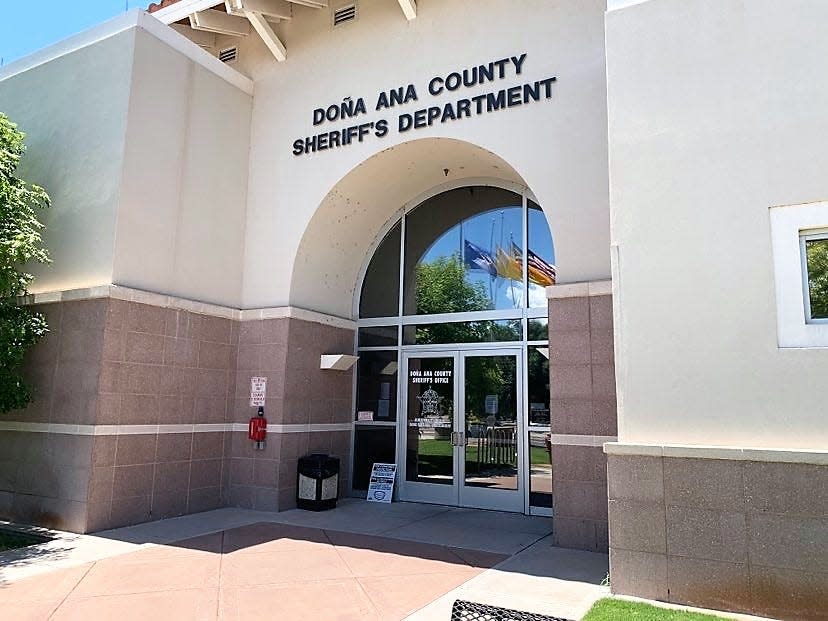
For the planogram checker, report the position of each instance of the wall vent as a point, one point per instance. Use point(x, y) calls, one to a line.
point(344, 14)
point(229, 55)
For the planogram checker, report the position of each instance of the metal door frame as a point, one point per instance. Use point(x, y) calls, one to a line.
point(481, 498)
point(457, 494)
point(414, 491)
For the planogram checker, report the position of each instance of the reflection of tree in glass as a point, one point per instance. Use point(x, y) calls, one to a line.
point(538, 372)
point(817, 255)
point(442, 288)
point(490, 375)
point(538, 330)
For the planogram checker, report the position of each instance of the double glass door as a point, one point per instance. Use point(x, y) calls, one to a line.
point(463, 433)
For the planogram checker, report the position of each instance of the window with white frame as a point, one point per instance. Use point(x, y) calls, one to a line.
point(799, 237)
point(813, 245)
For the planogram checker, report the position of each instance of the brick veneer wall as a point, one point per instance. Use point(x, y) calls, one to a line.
point(160, 366)
point(110, 366)
point(729, 534)
point(44, 477)
point(287, 351)
point(582, 406)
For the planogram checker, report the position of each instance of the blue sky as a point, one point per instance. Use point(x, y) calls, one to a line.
point(29, 25)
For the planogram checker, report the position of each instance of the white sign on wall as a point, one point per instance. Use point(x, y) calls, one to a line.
point(258, 391)
point(381, 487)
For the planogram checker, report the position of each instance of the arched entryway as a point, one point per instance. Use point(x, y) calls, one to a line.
point(448, 292)
point(453, 348)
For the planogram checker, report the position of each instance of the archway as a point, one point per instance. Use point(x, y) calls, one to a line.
point(499, 379)
point(351, 219)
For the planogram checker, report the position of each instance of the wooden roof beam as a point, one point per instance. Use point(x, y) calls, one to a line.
point(314, 4)
point(220, 23)
point(271, 9)
point(183, 9)
point(409, 8)
point(273, 43)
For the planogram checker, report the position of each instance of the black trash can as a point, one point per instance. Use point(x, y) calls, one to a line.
point(317, 485)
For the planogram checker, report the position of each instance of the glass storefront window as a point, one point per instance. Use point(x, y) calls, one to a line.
point(538, 384)
point(463, 252)
point(540, 269)
point(538, 329)
point(491, 424)
point(483, 257)
point(463, 332)
point(378, 336)
point(372, 445)
point(381, 287)
point(430, 419)
point(540, 454)
point(377, 385)
point(540, 469)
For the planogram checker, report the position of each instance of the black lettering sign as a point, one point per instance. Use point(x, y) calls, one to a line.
point(464, 108)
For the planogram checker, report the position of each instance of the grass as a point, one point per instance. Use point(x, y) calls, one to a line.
point(11, 540)
point(442, 448)
point(615, 609)
point(435, 457)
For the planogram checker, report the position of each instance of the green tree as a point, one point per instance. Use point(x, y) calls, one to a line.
point(20, 244)
point(817, 256)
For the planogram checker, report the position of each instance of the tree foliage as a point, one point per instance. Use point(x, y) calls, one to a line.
point(817, 259)
point(20, 244)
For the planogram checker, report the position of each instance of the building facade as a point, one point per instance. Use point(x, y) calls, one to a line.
point(564, 245)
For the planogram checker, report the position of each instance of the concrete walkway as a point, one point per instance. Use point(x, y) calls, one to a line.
point(360, 561)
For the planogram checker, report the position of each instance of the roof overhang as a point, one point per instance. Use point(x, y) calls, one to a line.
point(259, 13)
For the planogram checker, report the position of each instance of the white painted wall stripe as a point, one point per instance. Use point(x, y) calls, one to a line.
point(571, 439)
point(579, 289)
point(737, 453)
point(127, 430)
point(129, 294)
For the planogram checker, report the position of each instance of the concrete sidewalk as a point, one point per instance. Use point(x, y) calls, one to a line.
point(360, 561)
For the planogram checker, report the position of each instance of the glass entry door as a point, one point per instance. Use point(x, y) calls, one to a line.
point(463, 433)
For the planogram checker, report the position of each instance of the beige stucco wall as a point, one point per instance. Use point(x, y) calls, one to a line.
point(142, 141)
point(74, 112)
point(182, 204)
point(556, 147)
point(192, 223)
point(716, 113)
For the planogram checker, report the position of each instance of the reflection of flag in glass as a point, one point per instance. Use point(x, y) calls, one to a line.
point(539, 271)
point(508, 265)
point(478, 259)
